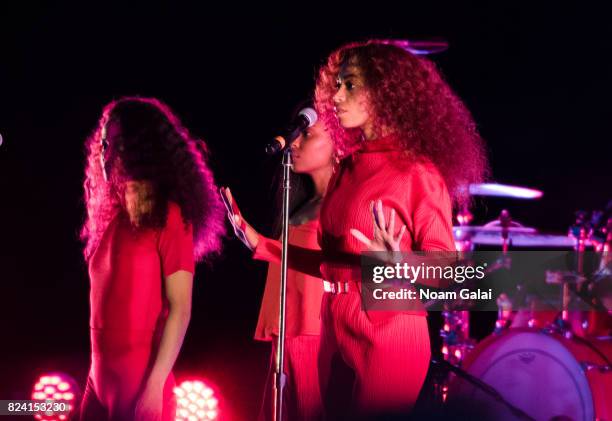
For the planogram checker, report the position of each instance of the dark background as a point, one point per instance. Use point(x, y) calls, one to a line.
point(537, 79)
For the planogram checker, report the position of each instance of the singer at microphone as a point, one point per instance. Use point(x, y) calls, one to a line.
point(307, 117)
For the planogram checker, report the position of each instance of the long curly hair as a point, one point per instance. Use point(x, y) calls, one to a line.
point(148, 142)
point(408, 97)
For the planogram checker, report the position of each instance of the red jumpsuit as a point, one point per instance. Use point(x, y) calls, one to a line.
point(303, 326)
point(388, 351)
point(128, 312)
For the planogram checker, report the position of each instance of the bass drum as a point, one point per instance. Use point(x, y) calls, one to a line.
point(541, 374)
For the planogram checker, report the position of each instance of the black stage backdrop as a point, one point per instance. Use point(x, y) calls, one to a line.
point(537, 79)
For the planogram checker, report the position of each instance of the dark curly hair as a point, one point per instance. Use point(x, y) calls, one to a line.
point(409, 97)
point(150, 144)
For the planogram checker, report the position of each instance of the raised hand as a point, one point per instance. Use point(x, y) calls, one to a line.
point(242, 229)
point(385, 237)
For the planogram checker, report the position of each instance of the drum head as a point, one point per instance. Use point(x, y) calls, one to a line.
point(532, 371)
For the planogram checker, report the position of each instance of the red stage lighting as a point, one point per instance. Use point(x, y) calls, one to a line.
point(56, 387)
point(196, 401)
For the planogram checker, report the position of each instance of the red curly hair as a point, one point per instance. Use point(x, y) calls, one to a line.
point(408, 97)
point(153, 145)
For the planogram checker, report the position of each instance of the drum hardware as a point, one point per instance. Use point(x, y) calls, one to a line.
point(559, 327)
point(455, 333)
point(502, 262)
point(601, 237)
point(596, 231)
point(532, 320)
point(593, 288)
point(494, 228)
point(580, 231)
point(504, 313)
point(577, 331)
point(575, 282)
point(608, 364)
point(519, 238)
point(570, 282)
point(588, 366)
point(504, 232)
point(521, 362)
point(464, 242)
point(505, 222)
point(464, 216)
point(456, 343)
point(504, 305)
point(488, 389)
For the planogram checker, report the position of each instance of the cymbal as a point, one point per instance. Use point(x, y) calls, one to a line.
point(519, 239)
point(419, 47)
point(492, 229)
point(504, 190)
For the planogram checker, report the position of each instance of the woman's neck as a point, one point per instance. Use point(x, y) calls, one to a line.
point(310, 210)
point(321, 178)
point(370, 132)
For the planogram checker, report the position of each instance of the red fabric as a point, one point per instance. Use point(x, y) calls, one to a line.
point(128, 306)
point(127, 270)
point(303, 292)
point(302, 397)
point(389, 358)
point(380, 170)
point(388, 351)
point(115, 381)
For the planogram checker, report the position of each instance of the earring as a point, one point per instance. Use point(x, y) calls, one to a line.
point(103, 148)
point(335, 161)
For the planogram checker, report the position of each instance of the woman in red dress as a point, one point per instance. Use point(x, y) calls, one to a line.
point(152, 212)
point(418, 150)
point(313, 159)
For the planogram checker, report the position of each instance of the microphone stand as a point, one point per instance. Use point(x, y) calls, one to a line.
point(280, 377)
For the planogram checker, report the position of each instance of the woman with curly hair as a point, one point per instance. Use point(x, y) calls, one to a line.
point(417, 149)
point(313, 159)
point(152, 212)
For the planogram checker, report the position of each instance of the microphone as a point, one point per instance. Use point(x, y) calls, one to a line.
point(307, 117)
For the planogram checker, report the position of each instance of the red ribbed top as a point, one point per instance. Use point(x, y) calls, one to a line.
point(304, 292)
point(379, 170)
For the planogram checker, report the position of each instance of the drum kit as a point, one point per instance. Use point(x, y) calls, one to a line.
point(539, 362)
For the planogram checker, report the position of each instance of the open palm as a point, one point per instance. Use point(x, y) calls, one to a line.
point(384, 237)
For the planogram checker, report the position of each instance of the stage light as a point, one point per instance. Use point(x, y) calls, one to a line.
point(196, 401)
point(56, 386)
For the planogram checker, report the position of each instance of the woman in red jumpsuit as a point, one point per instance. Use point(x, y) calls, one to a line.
point(152, 211)
point(313, 158)
point(419, 149)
